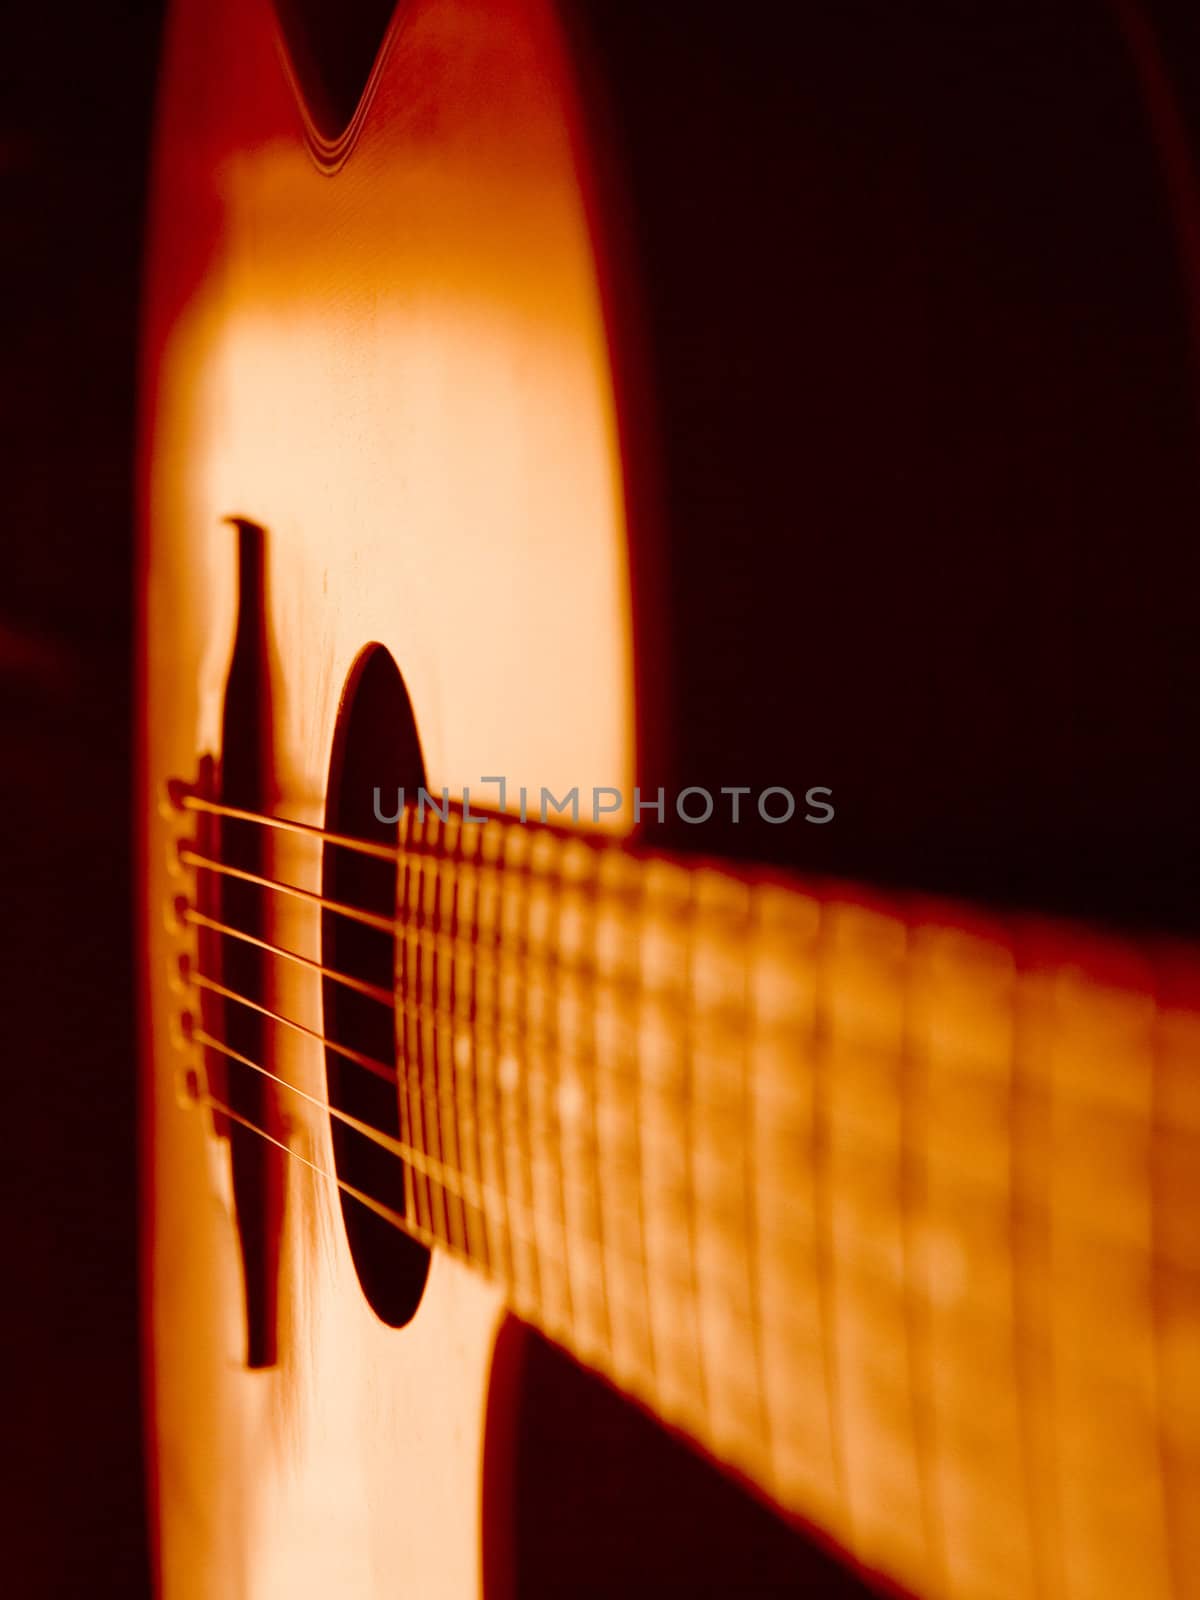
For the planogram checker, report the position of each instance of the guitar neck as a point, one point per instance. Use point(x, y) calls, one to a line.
point(891, 1213)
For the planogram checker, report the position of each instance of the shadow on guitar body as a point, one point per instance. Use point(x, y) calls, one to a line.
point(586, 1497)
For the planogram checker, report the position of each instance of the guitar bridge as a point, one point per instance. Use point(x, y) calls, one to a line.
point(201, 1075)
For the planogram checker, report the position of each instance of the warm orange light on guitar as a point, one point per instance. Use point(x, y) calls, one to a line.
point(889, 1211)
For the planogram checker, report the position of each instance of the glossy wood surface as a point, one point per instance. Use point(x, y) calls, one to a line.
point(400, 373)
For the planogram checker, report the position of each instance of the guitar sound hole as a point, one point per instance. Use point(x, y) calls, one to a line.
point(375, 746)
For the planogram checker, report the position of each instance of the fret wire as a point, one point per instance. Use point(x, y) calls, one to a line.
point(916, 1535)
point(600, 981)
point(912, 1187)
point(974, 1543)
point(876, 1417)
point(408, 1128)
point(669, 1212)
point(576, 909)
point(552, 1244)
point(488, 1039)
point(823, 1236)
point(408, 1025)
point(614, 909)
point(1175, 1553)
point(847, 1125)
point(511, 1004)
point(749, 1186)
point(1078, 1222)
point(453, 1106)
point(1112, 1165)
point(426, 1034)
point(464, 1118)
point(782, 1136)
point(480, 1058)
point(704, 1373)
point(588, 943)
point(414, 1065)
point(410, 1062)
point(542, 924)
point(690, 1127)
point(964, 1175)
point(478, 1065)
point(1031, 1242)
point(499, 885)
point(443, 1210)
point(430, 898)
point(720, 1039)
point(1171, 1062)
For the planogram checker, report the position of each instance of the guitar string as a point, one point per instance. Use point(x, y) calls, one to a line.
point(183, 800)
point(378, 1069)
point(420, 937)
point(756, 1315)
point(406, 1225)
point(496, 1208)
point(534, 1223)
point(624, 989)
point(200, 919)
point(408, 1081)
point(542, 1228)
point(188, 857)
point(434, 940)
point(787, 1412)
point(439, 1099)
point(509, 1032)
point(509, 1215)
point(521, 1302)
point(366, 919)
point(428, 1166)
point(437, 1094)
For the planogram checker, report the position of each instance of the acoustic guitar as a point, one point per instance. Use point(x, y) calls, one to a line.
point(565, 1172)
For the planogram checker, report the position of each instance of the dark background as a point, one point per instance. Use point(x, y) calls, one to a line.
point(944, 519)
point(921, 286)
point(75, 94)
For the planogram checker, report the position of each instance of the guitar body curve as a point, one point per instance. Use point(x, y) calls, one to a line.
point(395, 361)
point(405, 389)
point(399, 373)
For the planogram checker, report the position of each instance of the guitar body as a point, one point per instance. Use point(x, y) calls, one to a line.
point(510, 394)
point(395, 359)
point(400, 372)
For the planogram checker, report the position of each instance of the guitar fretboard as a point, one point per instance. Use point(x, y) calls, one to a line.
point(891, 1209)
